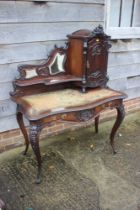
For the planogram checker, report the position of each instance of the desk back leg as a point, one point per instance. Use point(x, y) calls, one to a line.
point(34, 133)
point(120, 117)
point(96, 123)
point(20, 121)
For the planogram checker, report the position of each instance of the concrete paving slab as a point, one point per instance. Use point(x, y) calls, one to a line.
point(79, 171)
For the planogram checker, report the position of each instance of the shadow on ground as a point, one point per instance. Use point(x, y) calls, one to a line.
point(79, 171)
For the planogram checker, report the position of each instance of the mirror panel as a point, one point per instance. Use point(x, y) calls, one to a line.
point(31, 73)
point(57, 64)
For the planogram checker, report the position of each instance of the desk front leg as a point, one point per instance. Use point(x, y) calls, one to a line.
point(119, 119)
point(34, 140)
point(20, 121)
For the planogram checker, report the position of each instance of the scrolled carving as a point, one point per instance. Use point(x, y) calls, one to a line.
point(95, 75)
point(34, 133)
point(22, 73)
point(84, 115)
point(43, 70)
point(107, 45)
point(98, 78)
point(97, 49)
point(35, 128)
point(98, 31)
point(34, 139)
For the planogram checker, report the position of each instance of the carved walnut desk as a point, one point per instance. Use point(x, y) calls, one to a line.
point(70, 87)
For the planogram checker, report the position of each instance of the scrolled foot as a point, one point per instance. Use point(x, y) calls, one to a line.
point(113, 149)
point(38, 177)
point(25, 151)
point(38, 180)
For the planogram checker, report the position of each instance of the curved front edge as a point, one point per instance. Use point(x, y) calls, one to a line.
point(119, 119)
point(34, 133)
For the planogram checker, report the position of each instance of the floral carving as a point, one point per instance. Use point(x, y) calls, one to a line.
point(85, 115)
point(97, 49)
point(98, 31)
point(98, 78)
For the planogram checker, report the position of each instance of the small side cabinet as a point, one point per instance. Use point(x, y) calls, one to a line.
point(88, 57)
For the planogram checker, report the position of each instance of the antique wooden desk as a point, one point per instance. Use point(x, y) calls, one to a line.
point(70, 86)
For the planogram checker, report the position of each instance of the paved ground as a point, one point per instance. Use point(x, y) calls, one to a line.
point(79, 172)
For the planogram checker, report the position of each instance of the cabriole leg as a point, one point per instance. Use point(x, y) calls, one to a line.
point(34, 140)
point(120, 117)
point(20, 121)
point(96, 123)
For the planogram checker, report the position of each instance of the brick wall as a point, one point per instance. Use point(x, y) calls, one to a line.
point(14, 138)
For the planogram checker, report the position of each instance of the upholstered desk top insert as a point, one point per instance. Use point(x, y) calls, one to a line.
point(64, 100)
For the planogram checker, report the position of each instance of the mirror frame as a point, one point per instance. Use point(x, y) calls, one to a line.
point(54, 54)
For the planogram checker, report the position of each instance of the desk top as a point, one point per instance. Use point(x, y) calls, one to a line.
point(66, 100)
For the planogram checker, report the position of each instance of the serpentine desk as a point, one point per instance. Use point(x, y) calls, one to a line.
point(53, 91)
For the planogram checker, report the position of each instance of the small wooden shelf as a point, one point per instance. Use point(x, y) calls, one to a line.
point(47, 80)
point(61, 79)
